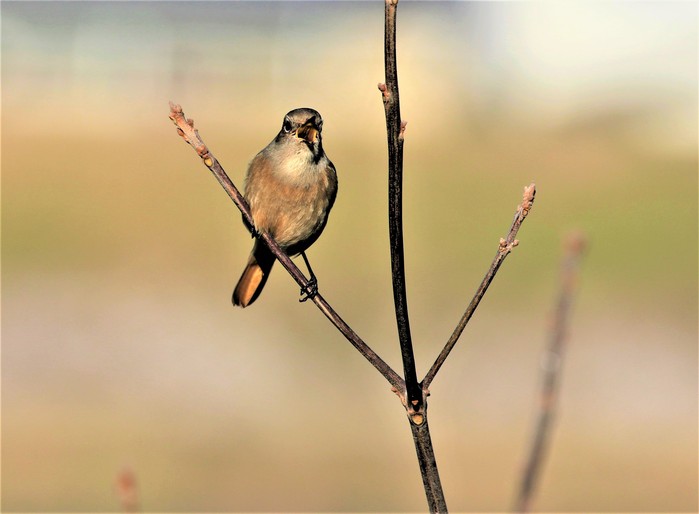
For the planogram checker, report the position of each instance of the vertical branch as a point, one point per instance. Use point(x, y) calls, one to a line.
point(551, 372)
point(428, 467)
point(414, 401)
point(395, 129)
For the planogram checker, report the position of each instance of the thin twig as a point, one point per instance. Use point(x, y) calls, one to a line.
point(504, 248)
point(395, 129)
point(185, 128)
point(126, 490)
point(551, 371)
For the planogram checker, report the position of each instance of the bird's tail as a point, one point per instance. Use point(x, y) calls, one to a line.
point(254, 276)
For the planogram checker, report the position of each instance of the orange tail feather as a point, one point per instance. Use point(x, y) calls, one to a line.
point(255, 275)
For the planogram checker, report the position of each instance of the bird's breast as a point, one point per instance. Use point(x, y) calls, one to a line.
point(289, 201)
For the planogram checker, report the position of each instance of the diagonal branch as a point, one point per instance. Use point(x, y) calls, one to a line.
point(185, 128)
point(551, 371)
point(505, 247)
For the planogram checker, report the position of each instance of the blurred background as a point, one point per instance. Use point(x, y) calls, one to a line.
point(120, 347)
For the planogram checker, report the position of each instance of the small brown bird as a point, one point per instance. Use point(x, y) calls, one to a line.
point(291, 186)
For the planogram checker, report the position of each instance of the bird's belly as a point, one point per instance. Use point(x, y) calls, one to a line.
point(292, 216)
point(299, 223)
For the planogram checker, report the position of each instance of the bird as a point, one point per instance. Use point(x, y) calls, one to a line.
point(290, 187)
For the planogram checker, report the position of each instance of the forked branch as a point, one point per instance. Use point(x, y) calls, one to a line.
point(412, 394)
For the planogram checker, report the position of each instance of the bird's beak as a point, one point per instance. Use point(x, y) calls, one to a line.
point(308, 132)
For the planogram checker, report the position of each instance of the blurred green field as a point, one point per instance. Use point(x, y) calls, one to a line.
point(120, 251)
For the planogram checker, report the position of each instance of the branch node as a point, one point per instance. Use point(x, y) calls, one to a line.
point(401, 396)
point(401, 134)
point(506, 247)
point(384, 91)
point(418, 418)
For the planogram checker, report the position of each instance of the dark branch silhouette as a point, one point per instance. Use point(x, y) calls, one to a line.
point(552, 364)
point(395, 129)
point(416, 404)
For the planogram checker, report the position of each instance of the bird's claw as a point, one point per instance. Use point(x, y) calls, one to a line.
point(309, 290)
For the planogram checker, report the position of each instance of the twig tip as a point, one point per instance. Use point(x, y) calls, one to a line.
point(528, 198)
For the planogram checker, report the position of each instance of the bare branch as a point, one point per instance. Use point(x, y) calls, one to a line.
point(504, 248)
point(185, 128)
point(551, 371)
point(416, 405)
point(395, 129)
point(428, 467)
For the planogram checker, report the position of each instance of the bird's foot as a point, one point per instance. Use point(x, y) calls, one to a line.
point(309, 290)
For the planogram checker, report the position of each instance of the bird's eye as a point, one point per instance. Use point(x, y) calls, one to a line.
point(287, 125)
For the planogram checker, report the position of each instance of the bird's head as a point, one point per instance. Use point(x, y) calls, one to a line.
point(303, 126)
